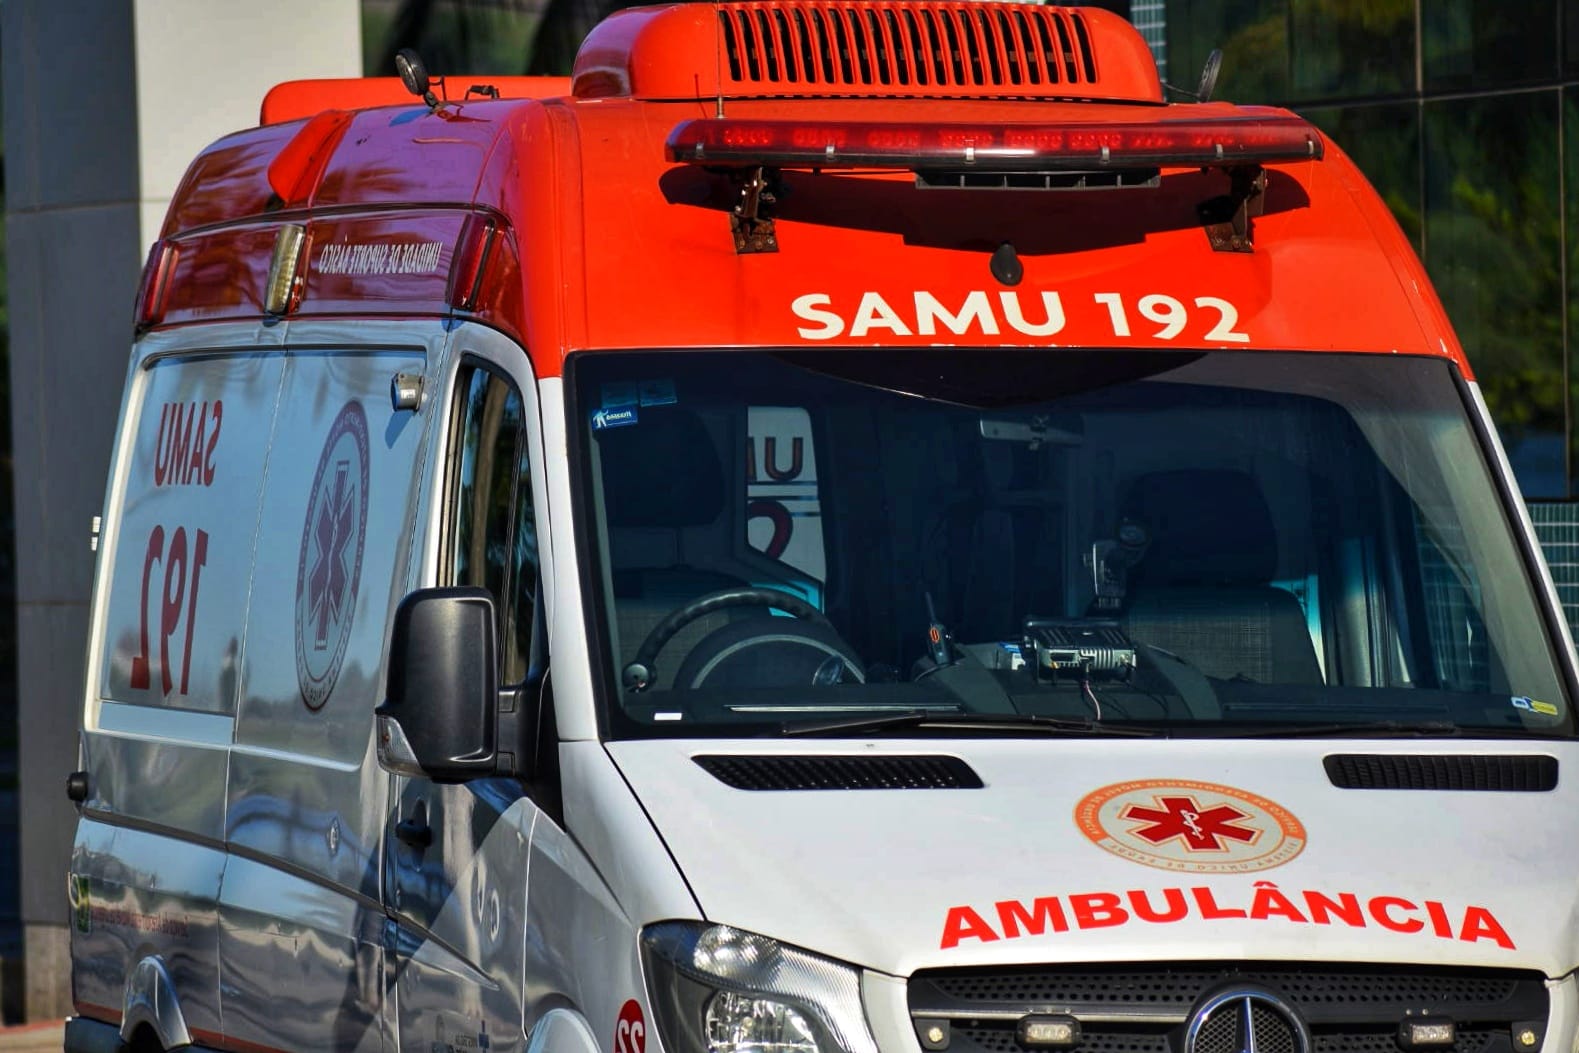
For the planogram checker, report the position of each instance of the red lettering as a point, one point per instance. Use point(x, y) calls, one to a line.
point(1381, 908)
point(1270, 902)
point(1209, 908)
point(1097, 910)
point(213, 441)
point(1480, 924)
point(199, 444)
point(199, 557)
point(139, 676)
point(1439, 923)
point(964, 923)
point(180, 442)
point(1346, 908)
point(161, 452)
point(175, 595)
point(1046, 912)
point(1178, 909)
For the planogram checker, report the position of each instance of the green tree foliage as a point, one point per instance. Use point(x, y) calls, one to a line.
point(1475, 182)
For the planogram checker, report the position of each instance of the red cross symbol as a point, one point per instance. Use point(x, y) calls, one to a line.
point(326, 586)
point(1182, 817)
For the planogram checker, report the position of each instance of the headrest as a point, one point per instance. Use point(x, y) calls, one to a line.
point(1206, 527)
point(662, 471)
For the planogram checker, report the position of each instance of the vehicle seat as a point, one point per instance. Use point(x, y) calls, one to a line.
point(665, 494)
point(986, 546)
point(1203, 589)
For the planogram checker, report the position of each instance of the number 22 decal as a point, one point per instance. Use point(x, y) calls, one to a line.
point(176, 592)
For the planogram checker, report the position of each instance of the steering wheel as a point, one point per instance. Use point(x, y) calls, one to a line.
point(642, 671)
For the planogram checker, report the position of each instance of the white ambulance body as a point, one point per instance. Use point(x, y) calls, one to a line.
point(840, 529)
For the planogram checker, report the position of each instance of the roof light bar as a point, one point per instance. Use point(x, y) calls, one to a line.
point(1215, 141)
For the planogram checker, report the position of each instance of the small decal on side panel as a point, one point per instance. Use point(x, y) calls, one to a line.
point(630, 1030)
point(330, 565)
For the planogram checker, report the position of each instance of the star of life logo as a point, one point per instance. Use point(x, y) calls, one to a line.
point(1180, 824)
point(330, 565)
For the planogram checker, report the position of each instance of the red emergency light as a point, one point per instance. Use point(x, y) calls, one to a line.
point(1260, 138)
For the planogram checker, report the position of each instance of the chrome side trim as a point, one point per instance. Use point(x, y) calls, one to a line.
point(166, 724)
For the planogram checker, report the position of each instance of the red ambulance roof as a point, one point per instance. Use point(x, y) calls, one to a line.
point(601, 219)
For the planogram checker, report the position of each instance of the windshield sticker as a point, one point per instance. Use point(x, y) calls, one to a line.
point(630, 1030)
point(613, 418)
point(658, 393)
point(1530, 705)
point(1012, 919)
point(620, 394)
point(1201, 827)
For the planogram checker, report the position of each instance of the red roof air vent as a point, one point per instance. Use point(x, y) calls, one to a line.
point(873, 48)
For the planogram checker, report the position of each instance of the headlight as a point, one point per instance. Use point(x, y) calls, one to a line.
point(715, 989)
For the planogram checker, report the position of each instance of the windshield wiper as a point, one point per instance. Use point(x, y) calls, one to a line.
point(988, 723)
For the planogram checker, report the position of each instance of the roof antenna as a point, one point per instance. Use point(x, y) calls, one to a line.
point(1208, 83)
point(414, 75)
point(718, 63)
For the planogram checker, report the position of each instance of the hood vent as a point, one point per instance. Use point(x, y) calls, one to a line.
point(840, 772)
point(940, 45)
point(1408, 771)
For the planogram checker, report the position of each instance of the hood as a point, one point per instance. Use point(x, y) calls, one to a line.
point(1149, 850)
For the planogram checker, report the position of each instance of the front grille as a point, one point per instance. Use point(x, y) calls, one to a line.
point(1146, 1008)
point(1305, 986)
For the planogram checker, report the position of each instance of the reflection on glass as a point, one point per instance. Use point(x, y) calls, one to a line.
point(1254, 37)
point(1385, 142)
point(1346, 49)
point(451, 35)
point(1237, 539)
point(1493, 244)
point(1477, 44)
point(1571, 247)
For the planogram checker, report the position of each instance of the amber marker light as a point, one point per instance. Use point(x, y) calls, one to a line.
point(1049, 1032)
point(1427, 1032)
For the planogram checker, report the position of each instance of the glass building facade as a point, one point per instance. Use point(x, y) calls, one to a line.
point(1464, 115)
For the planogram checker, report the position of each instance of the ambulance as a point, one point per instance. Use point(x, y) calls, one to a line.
point(839, 528)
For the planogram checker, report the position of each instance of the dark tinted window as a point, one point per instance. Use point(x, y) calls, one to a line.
point(492, 539)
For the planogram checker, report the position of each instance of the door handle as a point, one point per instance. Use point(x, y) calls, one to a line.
point(414, 832)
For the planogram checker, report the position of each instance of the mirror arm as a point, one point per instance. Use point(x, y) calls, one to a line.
point(517, 716)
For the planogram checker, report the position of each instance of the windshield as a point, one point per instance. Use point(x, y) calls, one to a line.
point(1182, 542)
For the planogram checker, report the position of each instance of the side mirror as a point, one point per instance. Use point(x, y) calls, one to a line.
point(442, 714)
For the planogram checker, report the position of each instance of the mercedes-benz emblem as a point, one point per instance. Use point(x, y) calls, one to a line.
point(1246, 1019)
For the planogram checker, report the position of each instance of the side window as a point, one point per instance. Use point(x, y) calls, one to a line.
point(491, 538)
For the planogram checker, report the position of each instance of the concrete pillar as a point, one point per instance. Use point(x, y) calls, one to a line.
point(105, 103)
